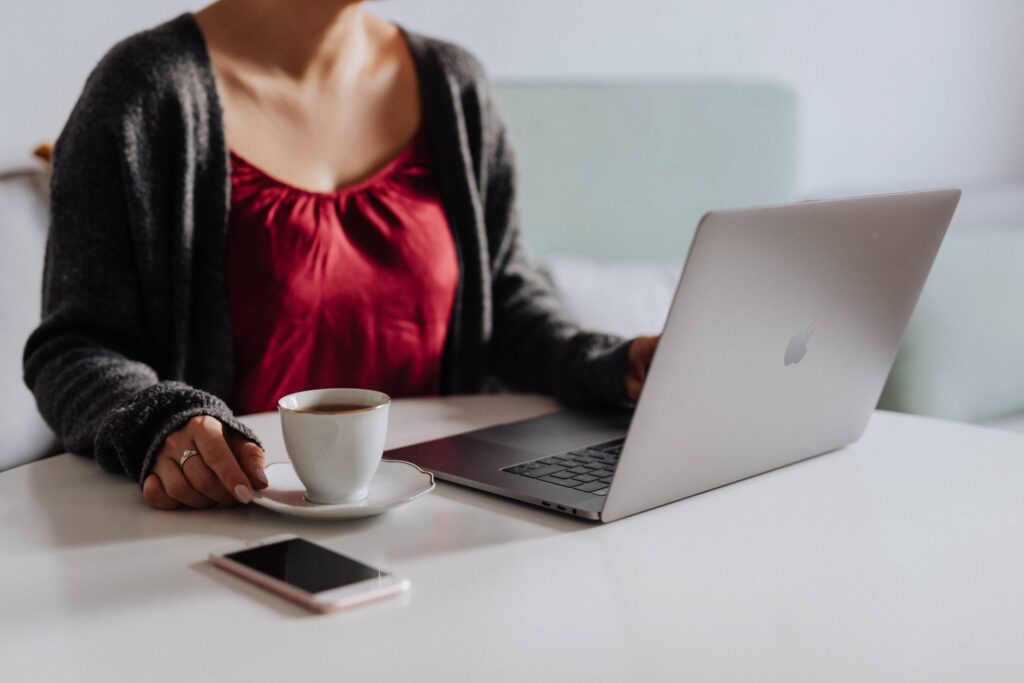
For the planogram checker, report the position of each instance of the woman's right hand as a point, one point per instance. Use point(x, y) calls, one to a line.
point(227, 468)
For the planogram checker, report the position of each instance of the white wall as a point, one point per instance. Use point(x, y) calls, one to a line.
point(893, 92)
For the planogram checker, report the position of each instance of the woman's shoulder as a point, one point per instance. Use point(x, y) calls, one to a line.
point(154, 62)
point(455, 61)
point(447, 69)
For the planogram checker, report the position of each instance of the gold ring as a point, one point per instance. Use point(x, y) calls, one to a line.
point(185, 456)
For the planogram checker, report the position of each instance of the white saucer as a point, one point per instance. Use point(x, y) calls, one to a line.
point(396, 483)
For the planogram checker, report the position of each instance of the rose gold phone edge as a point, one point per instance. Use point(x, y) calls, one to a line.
point(305, 598)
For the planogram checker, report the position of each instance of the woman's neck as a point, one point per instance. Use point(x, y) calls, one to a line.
point(302, 39)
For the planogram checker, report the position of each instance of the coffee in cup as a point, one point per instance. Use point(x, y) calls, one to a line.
point(335, 439)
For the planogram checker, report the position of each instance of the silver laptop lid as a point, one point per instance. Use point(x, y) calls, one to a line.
point(783, 329)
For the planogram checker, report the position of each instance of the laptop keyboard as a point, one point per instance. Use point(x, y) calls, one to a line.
point(585, 469)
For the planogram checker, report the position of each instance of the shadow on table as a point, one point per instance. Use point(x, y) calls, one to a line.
point(77, 504)
point(80, 505)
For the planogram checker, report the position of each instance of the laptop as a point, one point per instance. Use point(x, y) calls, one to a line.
point(783, 329)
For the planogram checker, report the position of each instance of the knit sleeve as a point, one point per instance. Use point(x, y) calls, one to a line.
point(89, 362)
point(535, 346)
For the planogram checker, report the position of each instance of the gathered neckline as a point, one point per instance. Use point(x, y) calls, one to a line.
point(382, 173)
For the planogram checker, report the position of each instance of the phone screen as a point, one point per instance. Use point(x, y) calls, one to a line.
point(305, 565)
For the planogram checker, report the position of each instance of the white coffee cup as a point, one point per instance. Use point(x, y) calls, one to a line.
point(335, 451)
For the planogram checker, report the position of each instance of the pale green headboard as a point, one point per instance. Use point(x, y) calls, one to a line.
point(963, 355)
point(625, 170)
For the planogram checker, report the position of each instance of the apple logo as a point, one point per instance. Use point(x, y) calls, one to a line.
point(797, 346)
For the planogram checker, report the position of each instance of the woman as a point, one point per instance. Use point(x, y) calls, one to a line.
point(255, 200)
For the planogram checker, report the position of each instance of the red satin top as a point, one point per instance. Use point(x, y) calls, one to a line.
point(352, 288)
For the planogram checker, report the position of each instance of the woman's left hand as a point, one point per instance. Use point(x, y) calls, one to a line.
point(641, 351)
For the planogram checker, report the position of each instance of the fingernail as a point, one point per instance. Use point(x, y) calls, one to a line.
point(243, 494)
point(262, 476)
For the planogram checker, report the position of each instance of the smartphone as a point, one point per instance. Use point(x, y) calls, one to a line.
point(309, 574)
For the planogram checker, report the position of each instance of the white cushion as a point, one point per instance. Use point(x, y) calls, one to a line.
point(23, 219)
point(623, 298)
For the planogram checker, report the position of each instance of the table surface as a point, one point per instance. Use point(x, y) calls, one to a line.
point(900, 557)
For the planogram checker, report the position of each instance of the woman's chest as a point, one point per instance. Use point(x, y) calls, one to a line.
point(324, 138)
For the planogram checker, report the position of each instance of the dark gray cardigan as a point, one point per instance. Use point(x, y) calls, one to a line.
point(135, 337)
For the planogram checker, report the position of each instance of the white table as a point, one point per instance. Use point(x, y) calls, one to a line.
point(899, 558)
